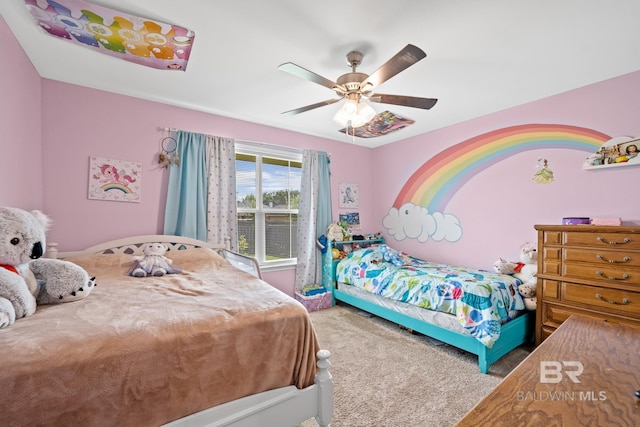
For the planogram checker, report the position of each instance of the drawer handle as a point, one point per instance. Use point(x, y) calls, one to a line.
point(625, 240)
point(613, 261)
point(610, 301)
point(625, 276)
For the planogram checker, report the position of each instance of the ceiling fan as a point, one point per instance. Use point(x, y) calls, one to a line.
point(355, 86)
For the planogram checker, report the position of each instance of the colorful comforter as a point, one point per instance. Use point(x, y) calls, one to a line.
point(481, 300)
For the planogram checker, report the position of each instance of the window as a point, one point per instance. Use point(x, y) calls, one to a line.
point(268, 196)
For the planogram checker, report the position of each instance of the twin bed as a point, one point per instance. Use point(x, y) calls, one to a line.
point(477, 311)
point(214, 345)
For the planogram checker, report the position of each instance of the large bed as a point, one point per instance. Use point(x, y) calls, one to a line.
point(477, 311)
point(213, 345)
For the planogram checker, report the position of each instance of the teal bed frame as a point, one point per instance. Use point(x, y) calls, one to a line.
point(512, 334)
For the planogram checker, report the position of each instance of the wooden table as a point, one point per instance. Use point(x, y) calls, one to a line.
point(544, 389)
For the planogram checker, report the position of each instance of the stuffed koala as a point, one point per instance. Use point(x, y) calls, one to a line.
point(153, 262)
point(22, 239)
point(60, 281)
point(525, 270)
point(26, 280)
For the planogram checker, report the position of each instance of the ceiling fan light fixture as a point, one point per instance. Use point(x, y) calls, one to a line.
point(354, 114)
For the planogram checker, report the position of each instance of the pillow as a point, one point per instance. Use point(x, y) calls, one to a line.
point(102, 265)
point(196, 258)
point(106, 265)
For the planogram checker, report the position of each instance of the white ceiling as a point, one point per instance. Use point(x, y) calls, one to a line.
point(482, 56)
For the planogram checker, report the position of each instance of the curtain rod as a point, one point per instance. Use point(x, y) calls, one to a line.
point(275, 146)
point(280, 147)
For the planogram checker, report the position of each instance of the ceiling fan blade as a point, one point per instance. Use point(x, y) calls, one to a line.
point(311, 107)
point(298, 71)
point(407, 101)
point(401, 61)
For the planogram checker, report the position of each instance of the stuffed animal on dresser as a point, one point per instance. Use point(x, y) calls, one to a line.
point(525, 270)
point(153, 262)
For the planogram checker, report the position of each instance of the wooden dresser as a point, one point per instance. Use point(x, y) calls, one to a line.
point(588, 270)
point(585, 374)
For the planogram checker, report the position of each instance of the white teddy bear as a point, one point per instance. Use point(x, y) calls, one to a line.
point(525, 270)
point(153, 262)
point(27, 281)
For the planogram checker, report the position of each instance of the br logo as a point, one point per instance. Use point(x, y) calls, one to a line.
point(552, 372)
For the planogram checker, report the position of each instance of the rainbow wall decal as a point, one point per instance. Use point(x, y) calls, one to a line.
point(419, 210)
point(434, 183)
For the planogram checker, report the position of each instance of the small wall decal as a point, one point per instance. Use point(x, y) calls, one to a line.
point(116, 180)
point(543, 175)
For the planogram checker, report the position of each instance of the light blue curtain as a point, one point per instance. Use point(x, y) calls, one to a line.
point(186, 209)
point(314, 216)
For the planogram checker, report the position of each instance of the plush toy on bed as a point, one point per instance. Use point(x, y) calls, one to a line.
point(22, 242)
point(525, 270)
point(153, 262)
point(22, 239)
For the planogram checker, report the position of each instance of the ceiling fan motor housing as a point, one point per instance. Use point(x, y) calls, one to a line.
point(352, 80)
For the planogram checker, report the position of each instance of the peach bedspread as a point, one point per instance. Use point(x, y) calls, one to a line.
point(145, 351)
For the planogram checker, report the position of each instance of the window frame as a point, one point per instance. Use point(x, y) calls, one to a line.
point(260, 150)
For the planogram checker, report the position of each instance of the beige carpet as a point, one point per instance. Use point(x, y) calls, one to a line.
point(384, 376)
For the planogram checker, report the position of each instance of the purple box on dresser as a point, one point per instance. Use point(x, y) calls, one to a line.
point(315, 302)
point(575, 220)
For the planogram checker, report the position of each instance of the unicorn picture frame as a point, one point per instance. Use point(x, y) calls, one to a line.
point(115, 180)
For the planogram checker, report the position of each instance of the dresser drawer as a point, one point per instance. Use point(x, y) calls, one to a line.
point(554, 315)
point(602, 298)
point(551, 258)
point(613, 274)
point(629, 241)
point(602, 257)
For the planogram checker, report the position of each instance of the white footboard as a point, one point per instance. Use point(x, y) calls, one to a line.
point(287, 406)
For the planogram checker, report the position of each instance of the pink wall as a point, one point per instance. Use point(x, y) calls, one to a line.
point(20, 123)
point(79, 122)
point(499, 207)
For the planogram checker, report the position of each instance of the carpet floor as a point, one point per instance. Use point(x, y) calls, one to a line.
point(385, 376)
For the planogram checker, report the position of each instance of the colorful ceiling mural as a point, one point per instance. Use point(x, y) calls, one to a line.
point(419, 209)
point(111, 32)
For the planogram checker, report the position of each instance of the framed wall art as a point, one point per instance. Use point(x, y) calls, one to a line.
point(116, 180)
point(349, 195)
point(351, 218)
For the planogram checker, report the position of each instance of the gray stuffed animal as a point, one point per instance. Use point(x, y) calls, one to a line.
point(26, 280)
point(22, 239)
